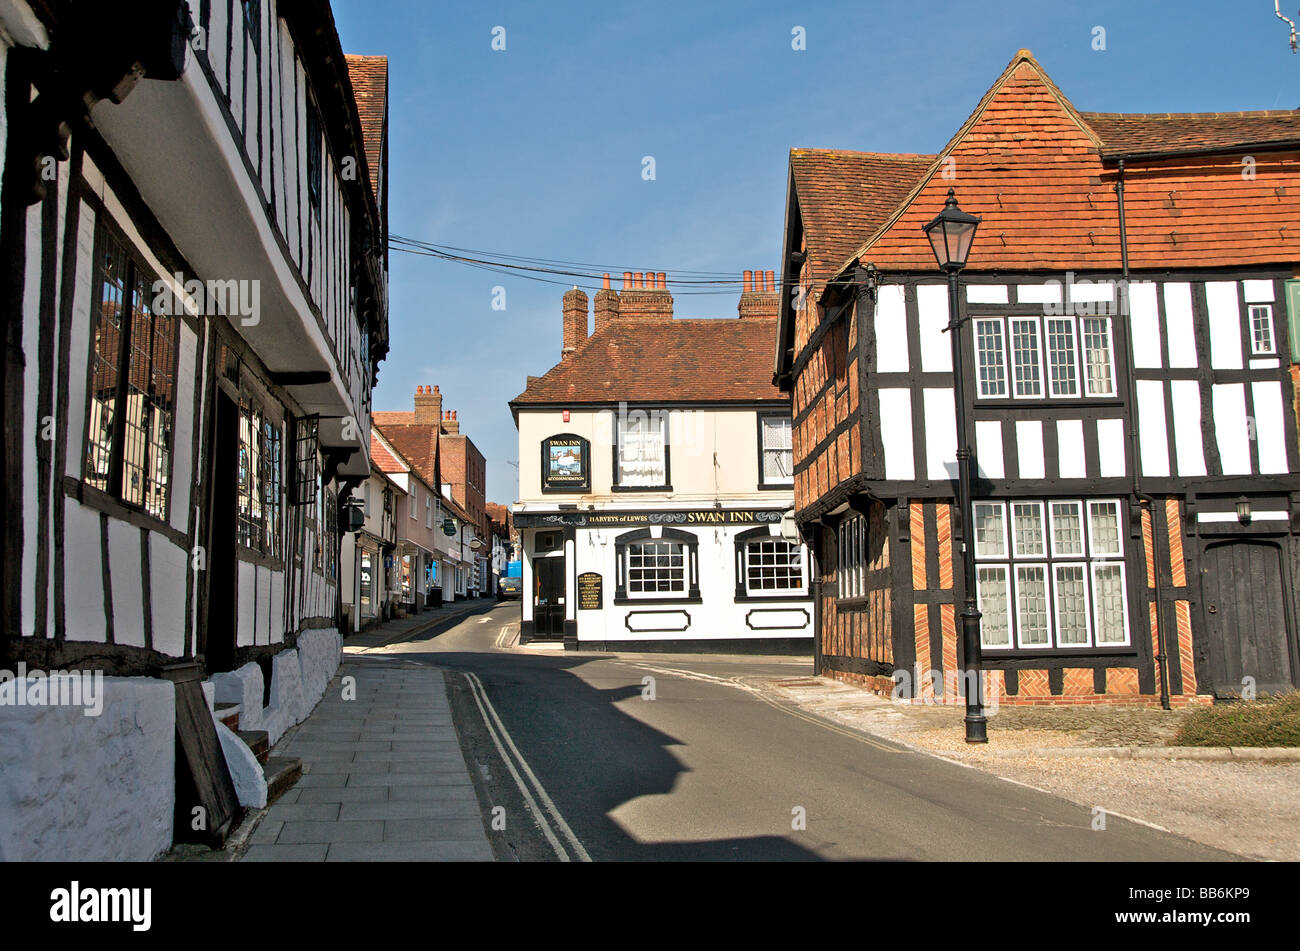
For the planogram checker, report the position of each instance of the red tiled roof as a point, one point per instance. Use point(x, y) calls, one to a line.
point(1030, 165)
point(381, 457)
point(845, 196)
point(369, 78)
point(654, 360)
point(417, 443)
point(1135, 133)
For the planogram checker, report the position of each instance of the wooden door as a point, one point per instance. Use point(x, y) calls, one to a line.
point(1247, 621)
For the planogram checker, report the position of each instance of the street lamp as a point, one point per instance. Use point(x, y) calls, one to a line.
point(951, 234)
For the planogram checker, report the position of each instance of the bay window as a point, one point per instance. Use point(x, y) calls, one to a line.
point(1050, 574)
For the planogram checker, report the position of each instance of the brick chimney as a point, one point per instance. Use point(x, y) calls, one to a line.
point(759, 299)
point(645, 296)
point(450, 424)
point(606, 305)
point(575, 321)
point(428, 405)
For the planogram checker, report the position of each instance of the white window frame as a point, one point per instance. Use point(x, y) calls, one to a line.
point(1043, 549)
point(620, 432)
point(428, 511)
point(1010, 560)
point(657, 594)
point(1110, 358)
point(1267, 310)
point(1005, 568)
point(1075, 362)
point(800, 550)
point(850, 571)
point(415, 502)
point(763, 478)
point(1006, 364)
point(1014, 375)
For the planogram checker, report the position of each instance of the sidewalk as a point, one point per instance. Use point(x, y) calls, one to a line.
point(383, 775)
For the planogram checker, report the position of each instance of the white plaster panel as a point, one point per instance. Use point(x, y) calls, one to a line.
point(1153, 439)
point(985, 293)
point(1225, 324)
point(990, 460)
point(896, 433)
point(83, 595)
point(1071, 462)
point(79, 344)
point(1270, 430)
point(1258, 292)
point(1180, 329)
point(245, 771)
point(277, 607)
point(182, 477)
point(1049, 292)
point(932, 312)
point(1144, 314)
point(244, 611)
point(1029, 448)
point(128, 598)
point(940, 434)
point(167, 588)
point(891, 329)
point(1110, 448)
point(1086, 291)
point(1185, 399)
point(261, 616)
point(1231, 428)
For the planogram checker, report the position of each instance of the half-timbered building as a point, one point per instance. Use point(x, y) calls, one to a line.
point(195, 305)
point(654, 473)
point(1130, 353)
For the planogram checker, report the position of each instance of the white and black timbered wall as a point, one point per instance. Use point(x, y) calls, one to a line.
point(1049, 382)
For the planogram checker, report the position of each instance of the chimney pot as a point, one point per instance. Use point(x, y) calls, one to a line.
point(749, 282)
point(627, 280)
point(663, 281)
point(638, 279)
point(771, 280)
point(606, 282)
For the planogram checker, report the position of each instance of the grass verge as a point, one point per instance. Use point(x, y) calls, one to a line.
point(1273, 721)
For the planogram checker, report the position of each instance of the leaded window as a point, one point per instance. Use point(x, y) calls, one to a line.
point(851, 572)
point(1050, 357)
point(1261, 330)
point(1050, 574)
point(258, 495)
point(990, 357)
point(132, 382)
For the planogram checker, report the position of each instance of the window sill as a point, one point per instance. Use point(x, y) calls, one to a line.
point(640, 488)
point(253, 556)
point(776, 486)
point(625, 601)
point(850, 603)
point(101, 501)
point(776, 596)
point(988, 653)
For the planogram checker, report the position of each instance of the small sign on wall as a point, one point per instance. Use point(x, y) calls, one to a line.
point(566, 464)
point(590, 591)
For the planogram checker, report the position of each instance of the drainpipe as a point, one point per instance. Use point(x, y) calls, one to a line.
point(1147, 501)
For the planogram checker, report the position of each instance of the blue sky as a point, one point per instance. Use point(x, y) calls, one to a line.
point(537, 150)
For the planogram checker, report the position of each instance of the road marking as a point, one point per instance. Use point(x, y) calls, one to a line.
point(486, 710)
point(484, 620)
point(784, 708)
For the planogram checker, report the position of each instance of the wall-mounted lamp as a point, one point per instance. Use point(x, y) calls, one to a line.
point(1243, 510)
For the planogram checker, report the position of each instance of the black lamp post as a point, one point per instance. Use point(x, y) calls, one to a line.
point(951, 234)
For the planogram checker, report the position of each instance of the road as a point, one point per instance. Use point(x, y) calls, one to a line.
point(579, 764)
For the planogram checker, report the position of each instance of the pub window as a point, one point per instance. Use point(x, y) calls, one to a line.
point(428, 511)
point(851, 572)
point(1050, 574)
point(565, 463)
point(1051, 357)
point(415, 503)
point(133, 381)
point(258, 508)
point(769, 566)
point(641, 455)
point(663, 568)
point(314, 147)
point(777, 450)
point(1261, 330)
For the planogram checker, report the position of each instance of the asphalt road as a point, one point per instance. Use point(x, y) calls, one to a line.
point(572, 759)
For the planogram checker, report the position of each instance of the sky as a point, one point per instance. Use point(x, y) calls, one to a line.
point(538, 149)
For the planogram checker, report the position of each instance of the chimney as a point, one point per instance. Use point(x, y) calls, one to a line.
point(575, 321)
point(450, 424)
point(759, 300)
point(428, 405)
point(645, 296)
point(606, 305)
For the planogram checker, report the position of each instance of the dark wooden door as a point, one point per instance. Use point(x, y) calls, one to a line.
point(548, 606)
point(1246, 618)
point(220, 624)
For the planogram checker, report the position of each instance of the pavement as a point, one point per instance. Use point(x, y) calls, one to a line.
point(384, 779)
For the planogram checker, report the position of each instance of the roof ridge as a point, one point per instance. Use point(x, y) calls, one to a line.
point(858, 153)
point(1238, 114)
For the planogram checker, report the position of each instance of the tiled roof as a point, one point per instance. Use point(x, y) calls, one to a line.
point(653, 360)
point(1174, 132)
point(418, 444)
point(1032, 168)
point(369, 78)
point(381, 457)
point(845, 196)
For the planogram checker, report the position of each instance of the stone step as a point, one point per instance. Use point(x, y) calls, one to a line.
point(228, 713)
point(259, 741)
point(281, 773)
